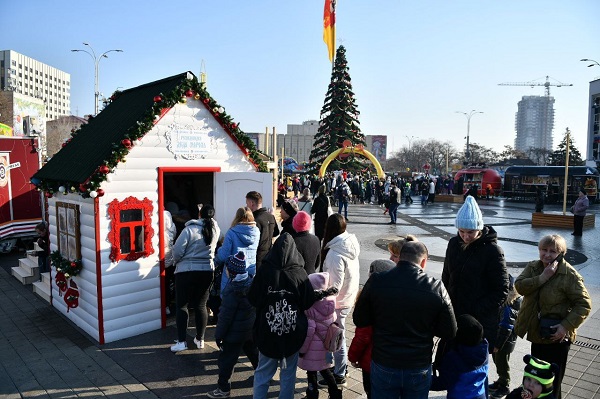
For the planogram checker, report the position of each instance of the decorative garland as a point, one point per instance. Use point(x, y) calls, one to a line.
point(65, 266)
point(162, 103)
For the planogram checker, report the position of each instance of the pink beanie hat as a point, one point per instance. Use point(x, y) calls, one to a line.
point(302, 222)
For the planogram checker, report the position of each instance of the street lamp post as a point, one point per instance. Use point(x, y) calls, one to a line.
point(92, 54)
point(469, 115)
point(593, 62)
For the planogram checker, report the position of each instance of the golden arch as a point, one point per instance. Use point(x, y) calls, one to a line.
point(357, 150)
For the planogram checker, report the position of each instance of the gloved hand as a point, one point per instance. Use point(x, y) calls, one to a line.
point(320, 294)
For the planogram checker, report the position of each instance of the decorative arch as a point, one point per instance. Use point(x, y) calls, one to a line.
point(359, 149)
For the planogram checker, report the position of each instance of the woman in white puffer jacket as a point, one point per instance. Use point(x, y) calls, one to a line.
point(340, 259)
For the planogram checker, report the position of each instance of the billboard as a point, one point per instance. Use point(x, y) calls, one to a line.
point(379, 147)
point(31, 111)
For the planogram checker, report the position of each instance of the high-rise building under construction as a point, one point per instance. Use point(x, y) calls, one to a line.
point(534, 123)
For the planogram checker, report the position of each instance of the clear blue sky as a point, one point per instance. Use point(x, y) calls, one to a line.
point(412, 63)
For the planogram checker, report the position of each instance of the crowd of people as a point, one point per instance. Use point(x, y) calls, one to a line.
point(285, 295)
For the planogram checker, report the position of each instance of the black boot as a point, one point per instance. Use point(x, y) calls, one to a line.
point(335, 393)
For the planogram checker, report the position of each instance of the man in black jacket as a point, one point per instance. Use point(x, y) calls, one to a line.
point(265, 222)
point(406, 308)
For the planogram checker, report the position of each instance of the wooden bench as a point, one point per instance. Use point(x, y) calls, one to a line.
point(557, 219)
point(449, 198)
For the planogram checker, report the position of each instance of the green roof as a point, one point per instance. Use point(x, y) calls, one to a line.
point(93, 144)
point(98, 147)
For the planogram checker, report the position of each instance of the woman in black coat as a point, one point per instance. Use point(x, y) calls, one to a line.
point(319, 209)
point(474, 271)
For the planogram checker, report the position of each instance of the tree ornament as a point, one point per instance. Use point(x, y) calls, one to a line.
point(126, 143)
point(189, 93)
point(157, 99)
point(93, 194)
point(197, 97)
point(206, 101)
point(100, 192)
point(62, 189)
point(104, 169)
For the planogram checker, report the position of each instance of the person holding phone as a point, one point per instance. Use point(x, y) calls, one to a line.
point(555, 304)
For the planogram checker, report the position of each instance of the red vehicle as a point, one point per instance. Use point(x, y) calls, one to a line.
point(479, 176)
point(20, 202)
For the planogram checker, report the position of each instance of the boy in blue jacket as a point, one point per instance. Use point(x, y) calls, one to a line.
point(234, 328)
point(463, 370)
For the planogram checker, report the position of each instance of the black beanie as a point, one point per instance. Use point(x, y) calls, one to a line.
point(470, 331)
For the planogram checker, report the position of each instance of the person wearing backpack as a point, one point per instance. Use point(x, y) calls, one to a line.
point(314, 354)
point(395, 198)
point(281, 292)
point(343, 193)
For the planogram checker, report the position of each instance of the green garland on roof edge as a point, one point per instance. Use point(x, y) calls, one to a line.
point(120, 150)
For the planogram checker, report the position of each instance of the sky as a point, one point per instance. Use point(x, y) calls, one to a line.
point(413, 64)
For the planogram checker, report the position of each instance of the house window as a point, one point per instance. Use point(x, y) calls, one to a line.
point(131, 232)
point(67, 216)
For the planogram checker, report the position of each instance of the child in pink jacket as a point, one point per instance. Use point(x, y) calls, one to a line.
point(313, 355)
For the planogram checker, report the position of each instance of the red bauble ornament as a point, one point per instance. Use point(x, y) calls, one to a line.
point(73, 264)
point(100, 192)
point(189, 93)
point(205, 101)
point(157, 99)
point(126, 143)
point(104, 169)
point(63, 145)
point(234, 125)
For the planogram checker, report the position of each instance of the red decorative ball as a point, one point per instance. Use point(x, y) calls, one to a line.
point(104, 169)
point(157, 99)
point(73, 264)
point(189, 93)
point(100, 192)
point(234, 125)
point(126, 143)
point(63, 145)
point(205, 101)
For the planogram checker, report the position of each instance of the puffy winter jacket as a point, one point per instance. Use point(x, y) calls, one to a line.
point(362, 347)
point(477, 280)
point(562, 297)
point(236, 315)
point(463, 372)
point(241, 237)
point(341, 262)
point(320, 315)
point(190, 252)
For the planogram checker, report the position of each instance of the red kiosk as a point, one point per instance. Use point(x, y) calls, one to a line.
point(480, 177)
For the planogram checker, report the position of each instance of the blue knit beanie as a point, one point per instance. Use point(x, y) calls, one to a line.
point(469, 215)
point(236, 264)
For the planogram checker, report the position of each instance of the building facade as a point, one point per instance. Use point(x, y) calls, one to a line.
point(298, 142)
point(31, 78)
point(593, 141)
point(534, 123)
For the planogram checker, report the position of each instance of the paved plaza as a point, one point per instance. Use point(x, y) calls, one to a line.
point(42, 355)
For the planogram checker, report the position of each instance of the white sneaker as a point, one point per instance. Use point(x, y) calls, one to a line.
point(179, 346)
point(199, 343)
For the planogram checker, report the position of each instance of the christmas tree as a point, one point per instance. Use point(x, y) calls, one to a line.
point(557, 158)
point(338, 121)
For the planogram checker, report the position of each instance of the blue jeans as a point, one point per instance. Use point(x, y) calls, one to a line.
point(343, 204)
point(393, 210)
point(266, 370)
point(340, 357)
point(391, 383)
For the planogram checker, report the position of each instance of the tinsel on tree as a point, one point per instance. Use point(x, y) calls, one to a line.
point(338, 121)
point(558, 157)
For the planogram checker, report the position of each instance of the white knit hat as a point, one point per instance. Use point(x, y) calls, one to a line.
point(469, 215)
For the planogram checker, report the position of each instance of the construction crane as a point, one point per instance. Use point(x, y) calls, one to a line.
point(546, 84)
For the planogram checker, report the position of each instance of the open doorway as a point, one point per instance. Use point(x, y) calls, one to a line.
point(183, 192)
